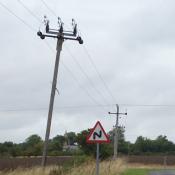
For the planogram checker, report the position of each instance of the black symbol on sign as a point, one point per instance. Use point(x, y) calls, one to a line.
point(97, 134)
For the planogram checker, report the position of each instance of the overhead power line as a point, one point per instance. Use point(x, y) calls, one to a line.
point(148, 105)
point(48, 45)
point(24, 6)
point(82, 70)
point(87, 76)
point(85, 106)
point(99, 75)
point(49, 8)
point(29, 11)
point(19, 18)
point(74, 78)
point(56, 108)
point(71, 73)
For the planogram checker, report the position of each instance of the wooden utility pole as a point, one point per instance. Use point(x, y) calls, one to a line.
point(61, 35)
point(116, 130)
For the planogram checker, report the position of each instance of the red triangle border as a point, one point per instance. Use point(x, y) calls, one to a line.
point(97, 141)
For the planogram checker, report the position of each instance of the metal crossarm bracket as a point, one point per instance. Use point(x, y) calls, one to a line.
point(60, 32)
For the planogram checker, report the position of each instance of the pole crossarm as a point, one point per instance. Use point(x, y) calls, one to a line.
point(117, 113)
point(60, 33)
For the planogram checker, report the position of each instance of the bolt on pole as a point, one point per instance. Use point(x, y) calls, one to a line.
point(116, 135)
point(61, 35)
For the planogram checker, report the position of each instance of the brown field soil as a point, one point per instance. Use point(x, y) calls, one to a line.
point(27, 162)
point(145, 161)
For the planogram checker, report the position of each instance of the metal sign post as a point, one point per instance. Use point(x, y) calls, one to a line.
point(97, 159)
point(97, 135)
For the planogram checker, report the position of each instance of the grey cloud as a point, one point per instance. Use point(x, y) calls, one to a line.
point(132, 46)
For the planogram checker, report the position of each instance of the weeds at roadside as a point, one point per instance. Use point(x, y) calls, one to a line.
point(76, 167)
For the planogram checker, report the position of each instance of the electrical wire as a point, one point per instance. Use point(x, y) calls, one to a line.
point(99, 75)
point(84, 106)
point(29, 11)
point(55, 108)
point(91, 60)
point(92, 98)
point(75, 60)
point(49, 8)
point(148, 105)
point(74, 77)
point(19, 18)
point(24, 6)
point(86, 75)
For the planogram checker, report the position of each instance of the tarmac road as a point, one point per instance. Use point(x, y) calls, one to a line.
point(162, 172)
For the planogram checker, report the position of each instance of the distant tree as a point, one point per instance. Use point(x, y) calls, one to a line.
point(56, 145)
point(81, 139)
point(163, 145)
point(6, 149)
point(140, 145)
point(122, 144)
point(33, 146)
point(71, 138)
point(33, 140)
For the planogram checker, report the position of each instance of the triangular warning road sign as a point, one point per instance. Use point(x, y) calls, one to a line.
point(97, 135)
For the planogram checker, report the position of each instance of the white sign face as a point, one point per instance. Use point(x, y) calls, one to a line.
point(98, 135)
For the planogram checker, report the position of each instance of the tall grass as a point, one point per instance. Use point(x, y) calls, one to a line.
point(106, 168)
point(86, 168)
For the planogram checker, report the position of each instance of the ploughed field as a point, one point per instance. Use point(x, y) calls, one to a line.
point(27, 162)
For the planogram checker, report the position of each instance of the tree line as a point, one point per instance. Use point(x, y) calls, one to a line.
point(72, 143)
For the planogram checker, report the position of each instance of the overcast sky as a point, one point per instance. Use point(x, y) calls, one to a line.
point(132, 45)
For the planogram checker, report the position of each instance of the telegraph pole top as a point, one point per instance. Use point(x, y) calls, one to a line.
point(60, 33)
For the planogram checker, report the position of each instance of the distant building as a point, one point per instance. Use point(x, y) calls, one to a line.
point(67, 146)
